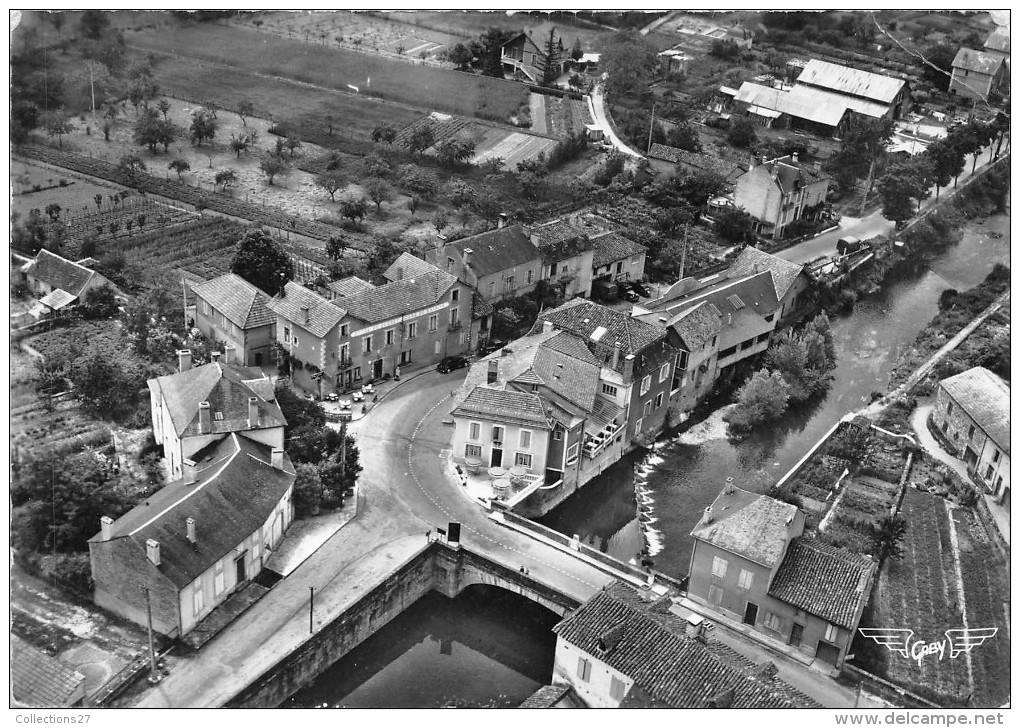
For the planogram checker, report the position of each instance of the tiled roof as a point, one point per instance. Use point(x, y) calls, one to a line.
point(582, 318)
point(479, 306)
point(985, 398)
point(851, 81)
point(57, 299)
point(648, 645)
point(722, 167)
point(747, 524)
point(407, 266)
point(491, 252)
point(698, 325)
point(576, 380)
point(558, 240)
point(826, 581)
point(505, 405)
point(999, 39)
point(400, 297)
point(977, 61)
point(323, 315)
point(238, 300)
point(751, 261)
point(236, 492)
point(611, 247)
point(41, 681)
point(571, 346)
point(546, 696)
point(60, 273)
point(227, 388)
point(349, 286)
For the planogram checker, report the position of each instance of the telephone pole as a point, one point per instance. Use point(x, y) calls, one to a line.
point(651, 125)
point(153, 674)
point(311, 608)
point(683, 255)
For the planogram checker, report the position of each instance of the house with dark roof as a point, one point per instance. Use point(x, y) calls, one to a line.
point(231, 310)
point(59, 282)
point(752, 564)
point(671, 159)
point(791, 280)
point(568, 255)
point(617, 258)
point(523, 57)
point(364, 332)
point(976, 74)
point(997, 43)
point(779, 192)
point(184, 550)
point(198, 405)
point(971, 417)
point(41, 681)
point(625, 649)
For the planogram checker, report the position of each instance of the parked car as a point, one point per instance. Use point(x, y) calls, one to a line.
point(490, 346)
point(641, 289)
point(605, 290)
point(629, 295)
point(450, 363)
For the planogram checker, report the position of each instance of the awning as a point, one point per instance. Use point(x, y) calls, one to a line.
point(603, 413)
point(57, 299)
point(762, 111)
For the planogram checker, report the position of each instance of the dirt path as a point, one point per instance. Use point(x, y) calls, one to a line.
point(538, 124)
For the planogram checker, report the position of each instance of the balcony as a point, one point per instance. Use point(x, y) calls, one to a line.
point(602, 439)
point(456, 326)
point(346, 362)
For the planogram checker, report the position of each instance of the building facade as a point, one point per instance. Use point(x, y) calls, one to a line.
point(231, 310)
point(976, 74)
point(779, 192)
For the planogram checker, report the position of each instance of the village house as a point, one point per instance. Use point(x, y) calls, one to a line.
point(671, 160)
point(997, 44)
point(40, 681)
point(751, 564)
point(617, 258)
point(231, 310)
point(977, 74)
point(567, 256)
point(971, 415)
point(522, 56)
point(780, 191)
point(199, 539)
point(59, 282)
point(625, 649)
point(791, 280)
point(199, 405)
point(500, 263)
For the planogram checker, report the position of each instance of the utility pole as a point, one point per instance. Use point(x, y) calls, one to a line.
point(867, 186)
point(311, 608)
point(683, 255)
point(651, 125)
point(153, 674)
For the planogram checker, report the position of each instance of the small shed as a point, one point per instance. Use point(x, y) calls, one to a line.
point(594, 132)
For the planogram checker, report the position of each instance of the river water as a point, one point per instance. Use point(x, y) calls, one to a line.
point(688, 471)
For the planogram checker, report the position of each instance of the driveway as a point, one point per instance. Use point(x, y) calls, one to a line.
point(597, 103)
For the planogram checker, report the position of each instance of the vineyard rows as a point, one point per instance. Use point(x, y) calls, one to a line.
point(442, 129)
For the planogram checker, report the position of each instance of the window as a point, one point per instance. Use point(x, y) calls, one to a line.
point(449, 264)
point(831, 631)
point(497, 433)
point(713, 340)
point(583, 669)
point(256, 549)
point(472, 451)
point(412, 329)
point(205, 307)
point(663, 373)
point(366, 345)
point(455, 295)
point(198, 599)
point(996, 456)
point(523, 459)
point(719, 567)
point(357, 372)
point(552, 269)
point(218, 581)
point(508, 283)
point(531, 277)
point(647, 409)
point(658, 400)
point(646, 383)
point(286, 335)
point(438, 347)
point(771, 317)
point(295, 340)
point(572, 454)
point(949, 408)
point(345, 353)
point(609, 389)
point(389, 337)
point(773, 621)
point(558, 435)
point(715, 594)
point(345, 329)
point(617, 688)
point(681, 359)
point(433, 322)
point(454, 316)
point(970, 433)
point(988, 472)
point(525, 439)
point(745, 579)
point(492, 288)
point(475, 431)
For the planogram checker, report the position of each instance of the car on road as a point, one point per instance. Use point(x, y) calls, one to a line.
point(450, 363)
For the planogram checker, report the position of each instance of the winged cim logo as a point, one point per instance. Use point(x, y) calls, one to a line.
point(958, 641)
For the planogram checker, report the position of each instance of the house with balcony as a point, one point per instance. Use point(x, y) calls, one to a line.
point(752, 564)
point(231, 310)
point(617, 258)
point(199, 539)
point(977, 74)
point(625, 648)
point(199, 405)
point(779, 192)
point(971, 418)
point(568, 256)
point(498, 264)
point(523, 58)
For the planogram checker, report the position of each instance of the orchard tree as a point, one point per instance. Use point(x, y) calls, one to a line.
point(454, 151)
point(57, 124)
point(421, 139)
point(273, 165)
point(353, 210)
point(419, 181)
point(245, 109)
point(630, 61)
point(742, 133)
point(461, 56)
point(440, 220)
point(203, 126)
point(331, 182)
point(224, 178)
point(384, 133)
point(262, 262)
point(378, 191)
point(335, 246)
point(412, 203)
point(164, 108)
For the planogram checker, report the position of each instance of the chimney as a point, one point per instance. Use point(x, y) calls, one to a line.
point(183, 360)
point(215, 356)
point(253, 412)
point(228, 353)
point(729, 319)
point(190, 470)
point(466, 255)
point(493, 373)
point(152, 551)
point(191, 530)
point(628, 367)
point(503, 218)
point(617, 348)
point(694, 625)
point(106, 528)
point(795, 156)
point(547, 326)
point(304, 314)
point(277, 458)
point(204, 418)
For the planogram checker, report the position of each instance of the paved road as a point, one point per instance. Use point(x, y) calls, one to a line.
point(598, 109)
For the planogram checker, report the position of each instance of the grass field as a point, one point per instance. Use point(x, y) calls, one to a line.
point(337, 69)
point(76, 197)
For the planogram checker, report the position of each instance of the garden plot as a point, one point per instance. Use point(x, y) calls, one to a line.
point(512, 147)
point(55, 187)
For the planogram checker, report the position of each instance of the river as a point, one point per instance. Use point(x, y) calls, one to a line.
point(688, 470)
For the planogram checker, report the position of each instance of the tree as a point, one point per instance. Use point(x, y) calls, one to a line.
point(335, 246)
point(147, 129)
point(245, 108)
point(307, 489)
point(630, 60)
point(384, 133)
point(164, 108)
point(412, 203)
point(130, 164)
point(577, 52)
point(273, 165)
point(332, 182)
point(489, 50)
point(203, 126)
point(684, 136)
point(887, 537)
point(293, 142)
point(262, 262)
point(353, 210)
point(551, 60)
point(421, 139)
point(53, 211)
point(939, 67)
point(902, 184)
point(419, 181)
point(761, 399)
point(948, 160)
point(461, 56)
point(378, 191)
point(454, 151)
point(239, 144)
point(735, 225)
point(742, 133)
point(105, 387)
point(863, 145)
point(440, 220)
point(57, 124)
point(224, 178)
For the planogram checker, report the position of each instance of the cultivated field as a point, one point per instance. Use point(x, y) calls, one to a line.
point(201, 249)
point(74, 195)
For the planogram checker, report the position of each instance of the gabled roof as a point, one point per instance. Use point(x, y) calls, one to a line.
point(236, 492)
point(407, 266)
point(851, 81)
point(41, 681)
point(504, 405)
point(227, 388)
point(546, 696)
point(238, 300)
point(826, 581)
point(582, 318)
point(400, 297)
point(558, 240)
point(323, 315)
point(574, 379)
point(999, 40)
point(707, 162)
point(349, 286)
point(57, 299)
point(491, 252)
point(60, 273)
point(977, 61)
point(647, 644)
point(985, 398)
point(527, 38)
point(697, 326)
point(747, 524)
point(611, 247)
point(752, 261)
